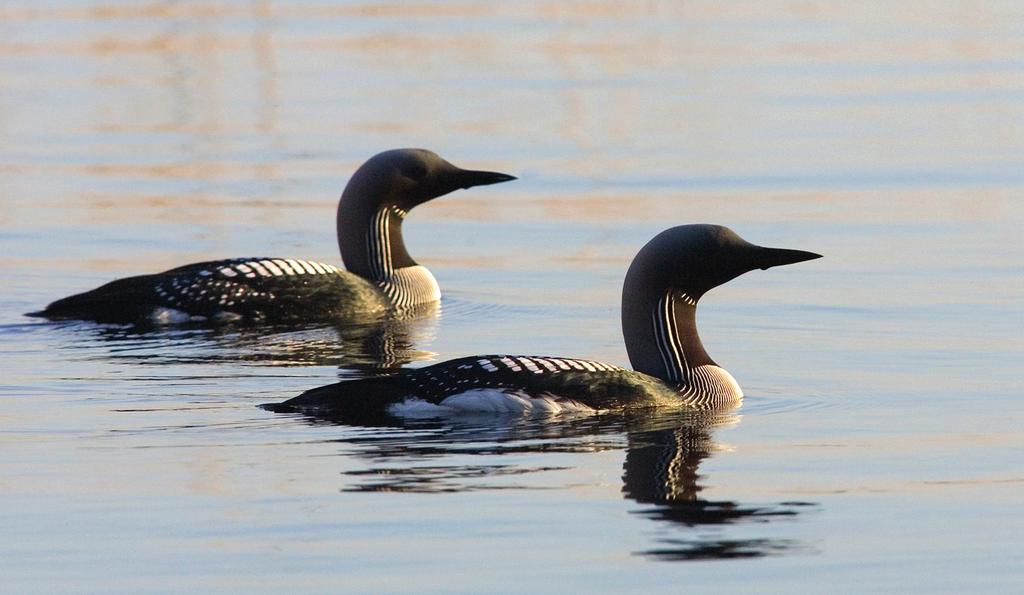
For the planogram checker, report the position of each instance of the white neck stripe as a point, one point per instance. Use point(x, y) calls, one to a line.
point(405, 286)
point(378, 245)
point(673, 338)
point(667, 340)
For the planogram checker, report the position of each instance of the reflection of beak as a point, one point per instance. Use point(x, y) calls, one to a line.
point(766, 258)
point(467, 178)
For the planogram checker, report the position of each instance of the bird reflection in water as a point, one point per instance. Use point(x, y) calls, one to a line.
point(661, 472)
point(663, 452)
point(375, 346)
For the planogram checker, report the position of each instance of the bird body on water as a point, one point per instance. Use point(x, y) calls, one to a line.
point(671, 368)
point(381, 276)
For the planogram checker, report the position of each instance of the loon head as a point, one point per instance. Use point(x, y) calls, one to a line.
point(659, 299)
point(405, 178)
point(377, 197)
point(696, 258)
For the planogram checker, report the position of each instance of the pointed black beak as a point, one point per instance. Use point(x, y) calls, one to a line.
point(766, 258)
point(467, 178)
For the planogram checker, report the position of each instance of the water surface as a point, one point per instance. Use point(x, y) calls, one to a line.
point(879, 447)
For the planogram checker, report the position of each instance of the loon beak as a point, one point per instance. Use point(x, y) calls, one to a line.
point(766, 258)
point(467, 178)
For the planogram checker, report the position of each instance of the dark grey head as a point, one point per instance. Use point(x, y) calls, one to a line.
point(408, 177)
point(696, 258)
point(659, 299)
point(379, 194)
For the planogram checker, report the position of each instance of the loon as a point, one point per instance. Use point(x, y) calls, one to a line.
point(381, 275)
point(659, 305)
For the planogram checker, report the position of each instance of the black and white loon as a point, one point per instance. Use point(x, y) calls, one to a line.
point(381, 275)
point(659, 305)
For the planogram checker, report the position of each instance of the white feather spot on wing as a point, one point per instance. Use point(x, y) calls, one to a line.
point(546, 363)
point(529, 365)
point(259, 269)
point(284, 266)
point(274, 270)
point(510, 363)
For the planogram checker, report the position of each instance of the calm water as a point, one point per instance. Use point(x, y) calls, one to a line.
point(879, 448)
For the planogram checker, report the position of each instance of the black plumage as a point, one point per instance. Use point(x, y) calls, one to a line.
point(203, 291)
point(659, 300)
point(571, 383)
point(381, 274)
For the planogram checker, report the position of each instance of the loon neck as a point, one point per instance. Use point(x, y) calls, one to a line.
point(673, 328)
point(662, 341)
point(370, 239)
point(371, 244)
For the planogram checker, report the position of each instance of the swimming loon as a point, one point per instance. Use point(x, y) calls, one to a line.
point(381, 275)
point(659, 305)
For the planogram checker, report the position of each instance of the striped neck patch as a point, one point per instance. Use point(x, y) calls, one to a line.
point(666, 336)
point(700, 386)
point(378, 242)
point(404, 286)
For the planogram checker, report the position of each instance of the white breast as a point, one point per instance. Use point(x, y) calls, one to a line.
point(491, 400)
point(410, 286)
point(162, 315)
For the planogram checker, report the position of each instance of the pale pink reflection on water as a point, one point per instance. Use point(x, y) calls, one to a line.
point(878, 448)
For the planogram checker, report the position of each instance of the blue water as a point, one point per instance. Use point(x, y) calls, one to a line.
point(879, 447)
